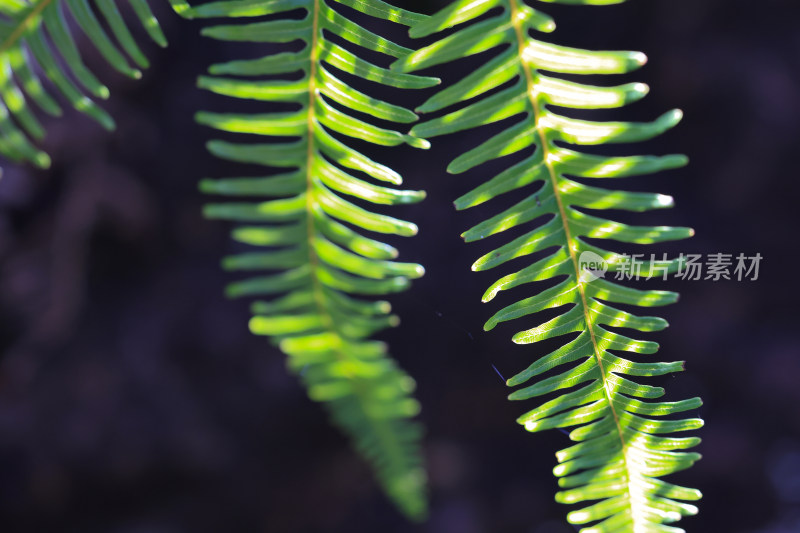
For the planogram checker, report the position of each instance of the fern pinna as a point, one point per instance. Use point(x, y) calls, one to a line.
point(308, 233)
point(621, 448)
point(36, 39)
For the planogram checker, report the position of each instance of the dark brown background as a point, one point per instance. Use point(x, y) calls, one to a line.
point(134, 400)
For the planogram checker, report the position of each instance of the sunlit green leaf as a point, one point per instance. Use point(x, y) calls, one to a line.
point(622, 447)
point(320, 263)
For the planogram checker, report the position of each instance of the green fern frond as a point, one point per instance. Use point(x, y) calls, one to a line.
point(36, 39)
point(311, 237)
point(622, 443)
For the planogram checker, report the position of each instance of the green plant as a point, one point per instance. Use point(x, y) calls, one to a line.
point(323, 275)
point(313, 235)
point(25, 53)
point(620, 451)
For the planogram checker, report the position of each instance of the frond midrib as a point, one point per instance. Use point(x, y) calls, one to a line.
point(521, 36)
point(383, 433)
point(12, 39)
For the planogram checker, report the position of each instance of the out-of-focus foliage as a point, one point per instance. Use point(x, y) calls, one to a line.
point(37, 41)
point(311, 240)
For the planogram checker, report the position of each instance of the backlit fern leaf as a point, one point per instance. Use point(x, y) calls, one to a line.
point(310, 236)
point(622, 444)
point(36, 39)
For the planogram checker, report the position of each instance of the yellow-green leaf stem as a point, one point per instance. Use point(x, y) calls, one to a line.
point(579, 282)
point(311, 233)
point(620, 452)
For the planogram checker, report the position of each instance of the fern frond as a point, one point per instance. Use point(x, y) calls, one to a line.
point(622, 436)
point(36, 39)
point(310, 234)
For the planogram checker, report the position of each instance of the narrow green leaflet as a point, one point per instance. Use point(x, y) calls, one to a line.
point(38, 50)
point(316, 258)
point(624, 439)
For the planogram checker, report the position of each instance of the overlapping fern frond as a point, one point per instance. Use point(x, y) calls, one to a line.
point(36, 39)
point(320, 264)
point(623, 442)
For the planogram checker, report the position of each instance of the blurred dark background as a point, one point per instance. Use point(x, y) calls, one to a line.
point(133, 399)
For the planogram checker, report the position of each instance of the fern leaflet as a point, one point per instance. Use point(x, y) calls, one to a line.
point(27, 29)
point(311, 235)
point(621, 448)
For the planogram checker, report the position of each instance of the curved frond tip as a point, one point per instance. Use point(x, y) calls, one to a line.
point(623, 437)
point(325, 268)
